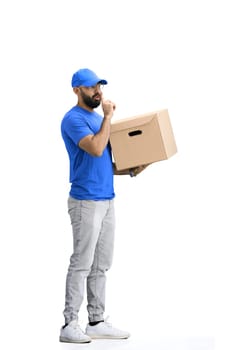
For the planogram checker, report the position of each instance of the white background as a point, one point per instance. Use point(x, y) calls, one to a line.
point(172, 271)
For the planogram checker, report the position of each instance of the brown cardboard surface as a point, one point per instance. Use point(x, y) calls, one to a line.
point(142, 139)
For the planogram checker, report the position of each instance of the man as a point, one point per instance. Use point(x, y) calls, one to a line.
point(91, 208)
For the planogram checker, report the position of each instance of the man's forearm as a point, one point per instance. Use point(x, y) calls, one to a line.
point(101, 139)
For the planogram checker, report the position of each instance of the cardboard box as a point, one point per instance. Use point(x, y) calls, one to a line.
point(142, 139)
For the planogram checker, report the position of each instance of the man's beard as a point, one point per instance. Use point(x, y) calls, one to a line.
point(90, 101)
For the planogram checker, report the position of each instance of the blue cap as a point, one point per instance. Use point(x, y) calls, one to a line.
point(86, 77)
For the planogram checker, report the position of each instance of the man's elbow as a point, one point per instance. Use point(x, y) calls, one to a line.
point(97, 152)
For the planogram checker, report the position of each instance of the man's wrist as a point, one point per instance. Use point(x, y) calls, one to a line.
point(108, 116)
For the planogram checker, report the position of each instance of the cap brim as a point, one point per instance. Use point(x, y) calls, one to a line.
point(94, 82)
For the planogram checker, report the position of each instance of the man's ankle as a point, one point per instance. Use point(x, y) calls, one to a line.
point(94, 323)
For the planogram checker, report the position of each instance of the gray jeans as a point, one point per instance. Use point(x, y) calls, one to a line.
point(93, 225)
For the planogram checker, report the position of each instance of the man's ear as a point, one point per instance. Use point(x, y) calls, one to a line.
point(76, 90)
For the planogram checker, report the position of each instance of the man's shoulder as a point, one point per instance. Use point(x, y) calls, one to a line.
point(73, 114)
point(74, 111)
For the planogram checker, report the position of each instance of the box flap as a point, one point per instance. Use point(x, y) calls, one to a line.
point(132, 122)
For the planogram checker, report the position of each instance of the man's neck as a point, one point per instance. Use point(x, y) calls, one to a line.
point(84, 106)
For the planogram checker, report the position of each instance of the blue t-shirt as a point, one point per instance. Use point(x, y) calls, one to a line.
point(91, 177)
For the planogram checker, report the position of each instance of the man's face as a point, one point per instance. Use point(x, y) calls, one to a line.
point(91, 95)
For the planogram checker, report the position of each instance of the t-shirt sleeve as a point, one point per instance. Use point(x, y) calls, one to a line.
point(77, 128)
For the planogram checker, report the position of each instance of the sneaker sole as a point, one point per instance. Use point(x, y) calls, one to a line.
point(107, 337)
point(67, 340)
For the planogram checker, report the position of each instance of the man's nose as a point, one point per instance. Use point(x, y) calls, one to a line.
point(98, 88)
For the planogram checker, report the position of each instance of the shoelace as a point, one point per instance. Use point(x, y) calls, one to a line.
point(108, 324)
point(77, 327)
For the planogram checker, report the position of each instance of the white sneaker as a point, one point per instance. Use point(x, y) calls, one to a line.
point(72, 333)
point(104, 330)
